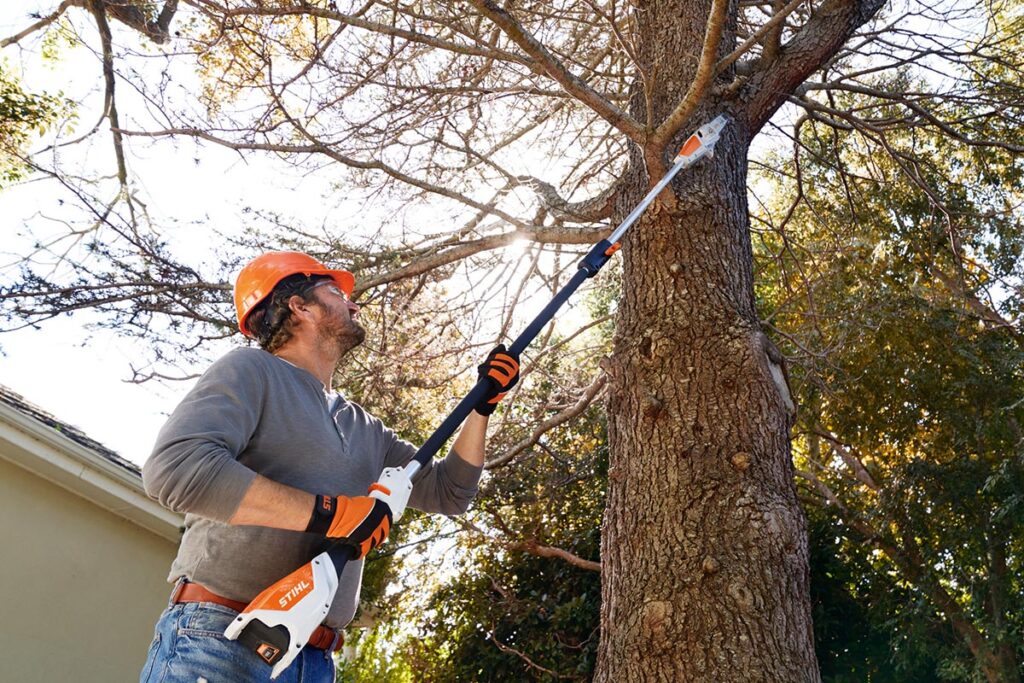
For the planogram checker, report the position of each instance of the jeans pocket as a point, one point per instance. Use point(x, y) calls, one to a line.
point(207, 621)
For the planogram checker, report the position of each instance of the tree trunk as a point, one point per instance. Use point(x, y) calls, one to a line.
point(1003, 666)
point(704, 547)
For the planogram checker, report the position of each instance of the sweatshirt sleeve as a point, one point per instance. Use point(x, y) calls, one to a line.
point(194, 466)
point(445, 487)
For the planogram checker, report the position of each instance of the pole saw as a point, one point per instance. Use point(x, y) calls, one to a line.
point(277, 624)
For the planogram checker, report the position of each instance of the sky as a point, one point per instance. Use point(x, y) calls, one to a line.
point(81, 376)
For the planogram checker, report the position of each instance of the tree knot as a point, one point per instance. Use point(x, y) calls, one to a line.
point(740, 461)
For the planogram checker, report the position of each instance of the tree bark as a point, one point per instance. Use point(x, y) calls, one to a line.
point(704, 547)
point(1004, 667)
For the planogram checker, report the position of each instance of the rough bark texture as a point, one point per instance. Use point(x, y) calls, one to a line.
point(704, 551)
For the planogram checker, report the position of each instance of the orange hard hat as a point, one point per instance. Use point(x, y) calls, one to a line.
point(259, 277)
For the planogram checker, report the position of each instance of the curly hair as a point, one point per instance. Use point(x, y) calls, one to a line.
point(271, 320)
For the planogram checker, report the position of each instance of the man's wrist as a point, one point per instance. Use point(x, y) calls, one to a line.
point(322, 515)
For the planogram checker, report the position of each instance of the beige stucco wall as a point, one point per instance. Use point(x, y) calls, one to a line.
point(82, 587)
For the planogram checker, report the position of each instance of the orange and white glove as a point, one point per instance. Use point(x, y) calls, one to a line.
point(363, 521)
point(502, 370)
point(360, 521)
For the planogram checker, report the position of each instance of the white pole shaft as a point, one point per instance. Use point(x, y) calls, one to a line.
point(707, 136)
point(655, 191)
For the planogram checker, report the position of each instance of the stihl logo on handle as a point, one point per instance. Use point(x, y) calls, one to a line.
point(279, 621)
point(302, 617)
point(296, 591)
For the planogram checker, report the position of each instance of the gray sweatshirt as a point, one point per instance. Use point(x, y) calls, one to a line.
point(250, 413)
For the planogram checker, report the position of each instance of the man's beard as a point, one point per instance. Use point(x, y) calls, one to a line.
point(343, 335)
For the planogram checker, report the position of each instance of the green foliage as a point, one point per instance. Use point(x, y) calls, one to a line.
point(514, 602)
point(23, 116)
point(375, 660)
point(893, 304)
point(858, 634)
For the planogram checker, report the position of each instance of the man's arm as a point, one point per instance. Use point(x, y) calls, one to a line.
point(362, 521)
point(469, 444)
point(268, 503)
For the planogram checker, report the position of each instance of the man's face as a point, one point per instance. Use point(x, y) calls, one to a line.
point(338, 325)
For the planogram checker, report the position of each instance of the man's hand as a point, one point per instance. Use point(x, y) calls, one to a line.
point(360, 521)
point(502, 370)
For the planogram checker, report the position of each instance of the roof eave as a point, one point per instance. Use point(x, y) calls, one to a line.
point(43, 450)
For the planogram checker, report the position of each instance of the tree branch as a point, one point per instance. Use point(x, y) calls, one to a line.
point(42, 23)
point(529, 662)
point(584, 401)
point(464, 249)
point(133, 16)
point(358, 22)
point(321, 148)
point(820, 38)
point(98, 8)
point(532, 547)
point(591, 210)
point(902, 99)
point(550, 64)
point(529, 546)
point(701, 80)
point(769, 25)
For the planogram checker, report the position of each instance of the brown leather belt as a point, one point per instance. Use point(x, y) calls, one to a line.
point(322, 639)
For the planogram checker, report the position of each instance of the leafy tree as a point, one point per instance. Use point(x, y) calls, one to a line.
point(23, 115)
point(912, 386)
point(453, 106)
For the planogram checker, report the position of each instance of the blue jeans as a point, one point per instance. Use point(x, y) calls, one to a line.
point(189, 647)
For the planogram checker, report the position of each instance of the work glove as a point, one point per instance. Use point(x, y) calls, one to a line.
point(362, 522)
point(502, 370)
point(393, 487)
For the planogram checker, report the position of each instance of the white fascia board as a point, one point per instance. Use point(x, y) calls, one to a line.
point(43, 450)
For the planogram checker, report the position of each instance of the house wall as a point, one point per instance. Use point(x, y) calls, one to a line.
point(82, 586)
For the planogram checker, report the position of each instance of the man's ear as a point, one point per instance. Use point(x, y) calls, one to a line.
point(299, 307)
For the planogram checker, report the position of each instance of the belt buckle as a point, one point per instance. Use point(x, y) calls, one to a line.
point(178, 587)
point(339, 639)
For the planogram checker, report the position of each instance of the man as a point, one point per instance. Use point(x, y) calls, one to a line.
point(269, 467)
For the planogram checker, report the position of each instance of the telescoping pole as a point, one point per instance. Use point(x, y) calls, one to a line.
point(697, 146)
point(277, 629)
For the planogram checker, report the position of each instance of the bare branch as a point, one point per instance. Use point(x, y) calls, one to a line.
point(320, 148)
point(532, 664)
point(357, 21)
point(556, 70)
point(769, 25)
point(904, 100)
point(584, 401)
point(133, 16)
point(819, 39)
point(424, 264)
point(42, 23)
point(591, 210)
point(109, 102)
point(532, 547)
